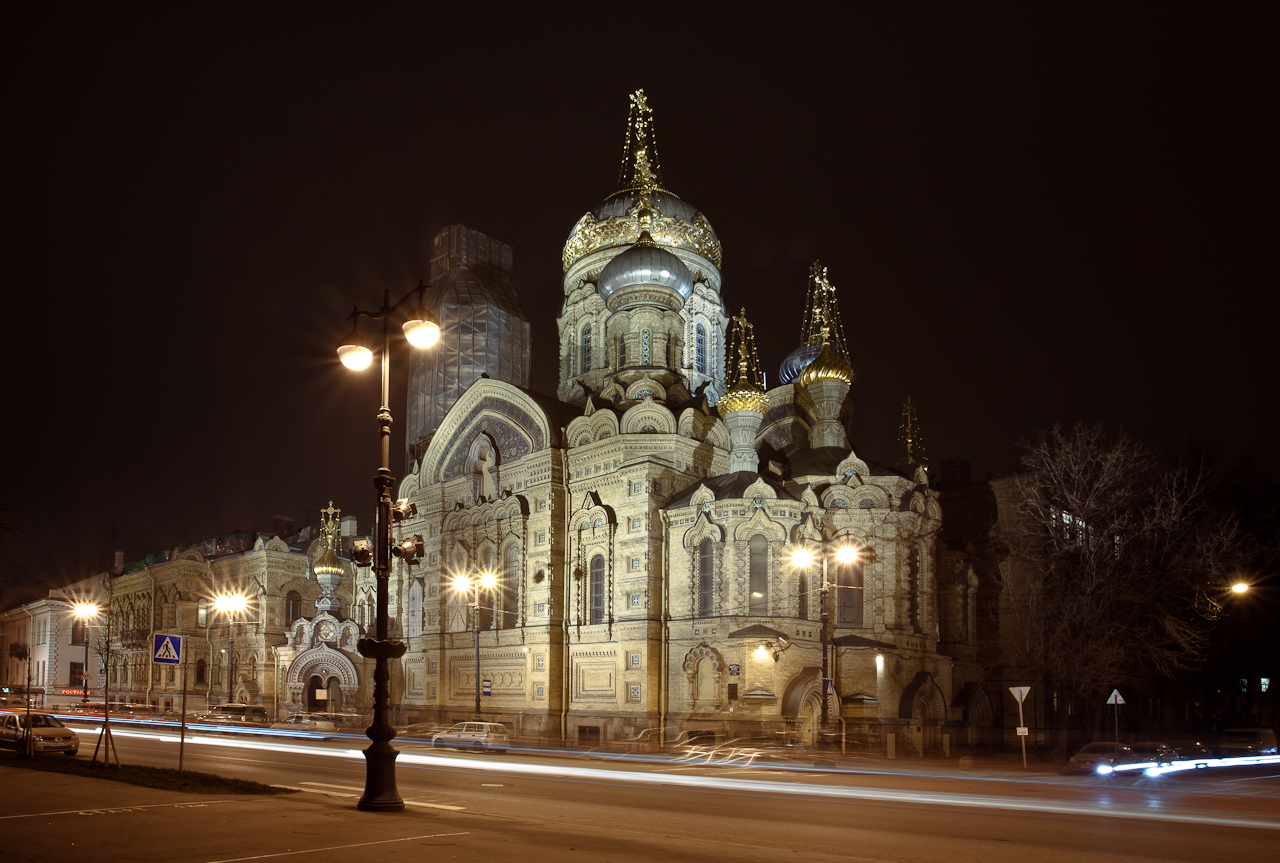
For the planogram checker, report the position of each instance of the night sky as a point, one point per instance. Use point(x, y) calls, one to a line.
point(1030, 216)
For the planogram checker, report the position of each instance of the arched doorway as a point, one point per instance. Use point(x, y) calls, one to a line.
point(316, 702)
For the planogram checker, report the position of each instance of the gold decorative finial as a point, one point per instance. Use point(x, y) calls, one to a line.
point(640, 169)
point(328, 563)
point(822, 329)
point(746, 394)
point(909, 443)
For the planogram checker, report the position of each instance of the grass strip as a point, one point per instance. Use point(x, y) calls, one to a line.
point(164, 778)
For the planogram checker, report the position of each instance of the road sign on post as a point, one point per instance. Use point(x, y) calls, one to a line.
point(1116, 700)
point(167, 649)
point(1020, 693)
point(486, 687)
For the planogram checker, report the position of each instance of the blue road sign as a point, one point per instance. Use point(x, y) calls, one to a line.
point(486, 687)
point(167, 649)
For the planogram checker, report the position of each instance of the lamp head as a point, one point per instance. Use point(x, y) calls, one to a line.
point(362, 552)
point(84, 610)
point(461, 582)
point(801, 557)
point(422, 329)
point(846, 554)
point(1239, 587)
point(230, 602)
point(488, 579)
point(353, 350)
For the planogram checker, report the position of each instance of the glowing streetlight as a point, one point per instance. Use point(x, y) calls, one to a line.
point(230, 604)
point(803, 558)
point(463, 584)
point(1239, 587)
point(84, 612)
point(422, 330)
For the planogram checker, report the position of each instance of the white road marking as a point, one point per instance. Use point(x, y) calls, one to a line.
point(114, 810)
point(361, 790)
point(336, 847)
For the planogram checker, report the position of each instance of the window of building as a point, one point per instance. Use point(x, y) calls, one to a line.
point(849, 594)
point(637, 523)
point(292, 607)
point(635, 564)
point(585, 345)
point(486, 597)
point(644, 347)
point(542, 504)
point(636, 600)
point(511, 587)
point(596, 590)
point(802, 588)
point(542, 537)
point(622, 351)
point(79, 631)
point(202, 671)
point(700, 350)
point(759, 580)
point(75, 677)
point(414, 622)
point(636, 487)
point(633, 692)
point(706, 578)
point(539, 662)
point(540, 691)
point(202, 614)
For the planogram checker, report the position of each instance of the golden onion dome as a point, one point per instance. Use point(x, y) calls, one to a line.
point(826, 366)
point(328, 563)
point(743, 396)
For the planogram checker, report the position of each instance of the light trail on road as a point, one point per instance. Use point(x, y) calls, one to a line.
point(748, 786)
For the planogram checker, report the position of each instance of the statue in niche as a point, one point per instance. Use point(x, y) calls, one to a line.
point(485, 488)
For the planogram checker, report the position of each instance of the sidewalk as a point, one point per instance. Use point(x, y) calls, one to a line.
point(54, 817)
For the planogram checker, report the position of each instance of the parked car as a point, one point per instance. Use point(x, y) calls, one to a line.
point(235, 714)
point(1247, 741)
point(474, 735)
point(1095, 755)
point(424, 730)
point(1193, 751)
point(306, 722)
point(50, 734)
point(1152, 751)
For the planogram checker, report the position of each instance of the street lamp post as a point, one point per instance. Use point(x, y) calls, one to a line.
point(422, 330)
point(803, 557)
point(486, 580)
point(84, 612)
point(229, 604)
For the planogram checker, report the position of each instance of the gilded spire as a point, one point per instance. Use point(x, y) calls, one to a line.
point(821, 314)
point(328, 562)
point(909, 443)
point(746, 394)
point(640, 168)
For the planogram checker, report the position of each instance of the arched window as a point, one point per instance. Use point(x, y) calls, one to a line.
point(202, 671)
point(595, 590)
point(849, 594)
point(706, 578)
point(585, 346)
point(759, 581)
point(486, 596)
point(622, 351)
point(202, 615)
point(292, 607)
point(700, 350)
point(511, 587)
point(802, 589)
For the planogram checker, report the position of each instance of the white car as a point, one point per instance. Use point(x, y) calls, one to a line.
point(306, 722)
point(474, 735)
point(50, 734)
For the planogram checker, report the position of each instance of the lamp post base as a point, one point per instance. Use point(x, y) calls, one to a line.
point(380, 792)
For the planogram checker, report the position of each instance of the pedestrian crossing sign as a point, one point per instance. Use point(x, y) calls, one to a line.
point(167, 649)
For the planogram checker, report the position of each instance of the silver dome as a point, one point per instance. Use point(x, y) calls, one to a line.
point(645, 265)
point(619, 204)
point(796, 361)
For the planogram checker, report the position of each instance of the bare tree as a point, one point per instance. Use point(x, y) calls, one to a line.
point(1114, 562)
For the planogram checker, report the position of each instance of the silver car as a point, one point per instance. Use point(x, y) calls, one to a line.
point(306, 722)
point(50, 734)
point(1096, 755)
point(474, 735)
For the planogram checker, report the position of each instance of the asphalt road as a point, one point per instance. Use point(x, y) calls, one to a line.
point(540, 807)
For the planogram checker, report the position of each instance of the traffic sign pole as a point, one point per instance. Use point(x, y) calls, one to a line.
point(1020, 692)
